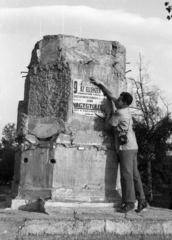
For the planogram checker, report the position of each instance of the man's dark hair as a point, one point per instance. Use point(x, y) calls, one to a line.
point(126, 97)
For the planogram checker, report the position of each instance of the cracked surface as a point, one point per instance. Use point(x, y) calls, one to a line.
point(86, 223)
point(83, 152)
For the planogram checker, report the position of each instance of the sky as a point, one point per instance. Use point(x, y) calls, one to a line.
point(140, 25)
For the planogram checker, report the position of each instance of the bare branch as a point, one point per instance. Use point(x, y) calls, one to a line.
point(146, 96)
point(165, 104)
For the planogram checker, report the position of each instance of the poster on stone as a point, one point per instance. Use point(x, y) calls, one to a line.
point(88, 99)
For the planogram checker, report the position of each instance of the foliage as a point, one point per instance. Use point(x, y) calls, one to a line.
point(153, 146)
point(7, 154)
point(9, 135)
point(153, 128)
point(162, 175)
point(169, 9)
point(7, 157)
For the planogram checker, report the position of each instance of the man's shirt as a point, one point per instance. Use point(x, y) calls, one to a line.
point(122, 121)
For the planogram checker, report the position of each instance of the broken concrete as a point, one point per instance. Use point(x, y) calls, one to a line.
point(84, 222)
point(64, 152)
point(58, 60)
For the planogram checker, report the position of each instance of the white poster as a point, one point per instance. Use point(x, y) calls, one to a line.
point(88, 99)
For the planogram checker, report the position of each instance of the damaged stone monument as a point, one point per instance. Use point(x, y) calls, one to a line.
point(64, 151)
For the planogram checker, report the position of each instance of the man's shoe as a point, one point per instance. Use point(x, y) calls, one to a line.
point(126, 208)
point(142, 206)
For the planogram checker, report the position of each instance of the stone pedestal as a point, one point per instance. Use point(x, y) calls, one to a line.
point(65, 153)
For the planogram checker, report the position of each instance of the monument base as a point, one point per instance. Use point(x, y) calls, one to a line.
point(51, 206)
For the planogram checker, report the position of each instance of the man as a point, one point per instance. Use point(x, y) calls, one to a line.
point(121, 122)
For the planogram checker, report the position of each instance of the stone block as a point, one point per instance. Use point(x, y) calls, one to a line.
point(69, 154)
point(62, 227)
point(85, 175)
point(59, 60)
point(25, 205)
point(39, 127)
point(9, 228)
point(167, 227)
point(125, 227)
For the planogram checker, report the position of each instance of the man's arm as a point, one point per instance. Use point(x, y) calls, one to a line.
point(104, 88)
point(107, 124)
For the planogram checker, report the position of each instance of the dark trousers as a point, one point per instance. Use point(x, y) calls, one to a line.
point(131, 183)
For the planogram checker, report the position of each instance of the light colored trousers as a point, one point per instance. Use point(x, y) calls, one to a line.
point(131, 183)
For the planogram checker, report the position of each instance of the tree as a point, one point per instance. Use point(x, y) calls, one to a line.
point(7, 154)
point(153, 126)
point(169, 9)
point(9, 135)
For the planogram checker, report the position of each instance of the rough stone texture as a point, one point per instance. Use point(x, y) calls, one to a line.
point(123, 228)
point(39, 127)
point(57, 60)
point(63, 155)
point(9, 228)
point(74, 222)
point(35, 173)
point(133, 227)
point(94, 171)
point(103, 236)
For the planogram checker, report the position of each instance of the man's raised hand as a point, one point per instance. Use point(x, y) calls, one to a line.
point(94, 81)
